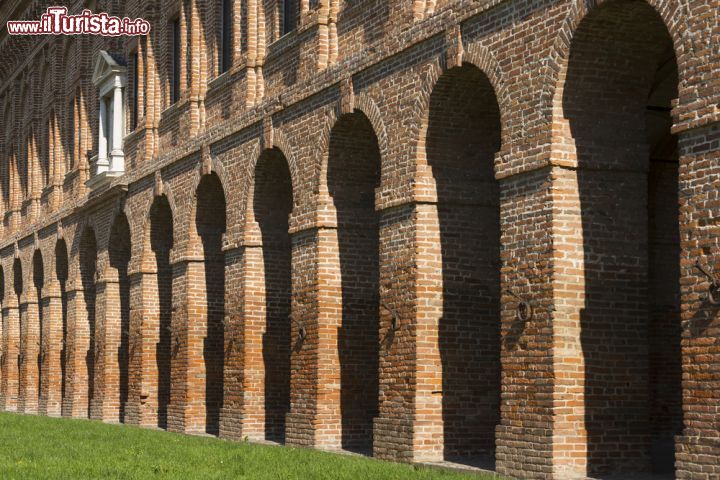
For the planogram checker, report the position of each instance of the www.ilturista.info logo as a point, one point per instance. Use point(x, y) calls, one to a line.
point(56, 21)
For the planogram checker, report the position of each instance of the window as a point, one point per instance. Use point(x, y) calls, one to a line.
point(109, 77)
point(71, 136)
point(226, 48)
point(289, 16)
point(175, 77)
point(108, 108)
point(135, 90)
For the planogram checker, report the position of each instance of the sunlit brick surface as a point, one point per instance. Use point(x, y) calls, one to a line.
point(331, 243)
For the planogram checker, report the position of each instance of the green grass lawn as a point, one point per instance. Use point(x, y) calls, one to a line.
point(47, 448)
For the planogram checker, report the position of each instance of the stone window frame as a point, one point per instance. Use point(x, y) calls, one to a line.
point(110, 79)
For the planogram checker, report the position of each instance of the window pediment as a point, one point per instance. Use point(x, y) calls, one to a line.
point(108, 69)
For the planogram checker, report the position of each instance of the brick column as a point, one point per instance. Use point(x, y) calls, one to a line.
point(315, 417)
point(186, 412)
point(232, 415)
point(10, 366)
point(250, 403)
point(698, 449)
point(51, 371)
point(569, 436)
point(144, 336)
point(77, 353)
point(29, 352)
point(409, 425)
point(524, 438)
point(106, 396)
point(246, 317)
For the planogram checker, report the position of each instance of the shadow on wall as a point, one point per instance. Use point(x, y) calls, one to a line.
point(462, 139)
point(210, 224)
point(627, 175)
point(353, 175)
point(272, 206)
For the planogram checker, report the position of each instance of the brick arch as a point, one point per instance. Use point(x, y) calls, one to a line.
point(140, 224)
point(269, 203)
point(115, 217)
point(18, 282)
point(8, 291)
point(21, 259)
point(364, 104)
point(323, 147)
point(39, 321)
point(481, 58)
point(75, 244)
point(49, 255)
point(421, 110)
point(145, 230)
point(557, 61)
point(281, 144)
point(36, 250)
point(216, 167)
point(246, 192)
point(353, 166)
point(120, 208)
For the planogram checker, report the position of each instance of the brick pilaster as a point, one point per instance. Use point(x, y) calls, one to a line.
point(525, 434)
point(29, 352)
point(78, 354)
point(106, 397)
point(251, 404)
point(232, 415)
point(409, 426)
point(144, 329)
point(51, 371)
point(314, 418)
point(698, 448)
point(10, 366)
point(186, 412)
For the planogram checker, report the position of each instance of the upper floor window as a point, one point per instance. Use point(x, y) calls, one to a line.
point(289, 16)
point(109, 78)
point(135, 90)
point(71, 141)
point(225, 37)
point(175, 61)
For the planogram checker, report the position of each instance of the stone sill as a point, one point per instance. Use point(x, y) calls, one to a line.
point(102, 179)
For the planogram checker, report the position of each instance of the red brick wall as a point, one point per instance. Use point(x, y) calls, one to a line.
point(441, 162)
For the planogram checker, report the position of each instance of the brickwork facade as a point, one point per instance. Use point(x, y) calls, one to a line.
point(426, 231)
